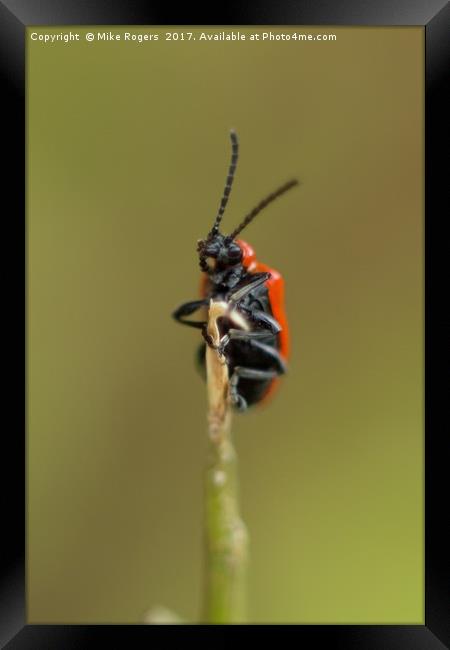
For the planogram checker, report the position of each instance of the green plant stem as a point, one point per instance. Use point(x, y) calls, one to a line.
point(225, 532)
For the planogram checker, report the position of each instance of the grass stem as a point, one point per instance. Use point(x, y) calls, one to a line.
point(225, 532)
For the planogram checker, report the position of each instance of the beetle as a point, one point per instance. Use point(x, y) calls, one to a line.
point(246, 303)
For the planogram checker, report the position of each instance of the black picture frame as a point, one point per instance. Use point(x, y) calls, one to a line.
point(15, 16)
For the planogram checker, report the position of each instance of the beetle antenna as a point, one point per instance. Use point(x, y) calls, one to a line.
point(262, 204)
point(228, 182)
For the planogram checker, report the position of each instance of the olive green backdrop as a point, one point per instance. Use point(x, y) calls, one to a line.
point(127, 155)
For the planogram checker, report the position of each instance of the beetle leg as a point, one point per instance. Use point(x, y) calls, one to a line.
point(275, 366)
point(252, 335)
point(242, 291)
point(272, 356)
point(265, 320)
point(246, 373)
point(188, 308)
point(243, 335)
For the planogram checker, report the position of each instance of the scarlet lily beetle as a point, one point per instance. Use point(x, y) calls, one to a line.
point(247, 297)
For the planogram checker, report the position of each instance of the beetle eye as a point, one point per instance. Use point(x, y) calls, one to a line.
point(234, 252)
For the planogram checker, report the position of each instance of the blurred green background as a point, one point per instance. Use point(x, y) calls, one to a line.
point(127, 155)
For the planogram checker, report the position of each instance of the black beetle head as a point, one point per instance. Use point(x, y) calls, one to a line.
point(218, 252)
